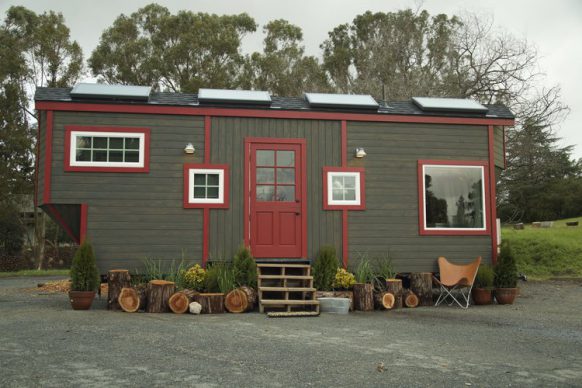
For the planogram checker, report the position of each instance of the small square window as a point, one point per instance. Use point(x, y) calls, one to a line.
point(344, 188)
point(205, 186)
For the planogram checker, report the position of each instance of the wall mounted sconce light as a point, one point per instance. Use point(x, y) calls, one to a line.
point(360, 153)
point(189, 149)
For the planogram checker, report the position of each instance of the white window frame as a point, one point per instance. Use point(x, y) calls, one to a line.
point(358, 188)
point(483, 193)
point(73, 149)
point(220, 199)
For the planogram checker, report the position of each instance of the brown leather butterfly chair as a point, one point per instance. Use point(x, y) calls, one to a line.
point(455, 278)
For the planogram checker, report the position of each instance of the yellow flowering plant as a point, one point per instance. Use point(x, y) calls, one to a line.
point(343, 279)
point(195, 278)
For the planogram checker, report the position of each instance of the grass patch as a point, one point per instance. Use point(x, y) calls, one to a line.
point(35, 272)
point(545, 253)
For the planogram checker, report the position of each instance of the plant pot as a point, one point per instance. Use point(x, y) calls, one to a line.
point(482, 296)
point(334, 305)
point(81, 300)
point(505, 295)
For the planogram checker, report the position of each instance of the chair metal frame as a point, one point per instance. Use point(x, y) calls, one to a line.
point(458, 284)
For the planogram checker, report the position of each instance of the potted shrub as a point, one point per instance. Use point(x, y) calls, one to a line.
point(84, 278)
point(364, 286)
point(325, 268)
point(506, 276)
point(482, 291)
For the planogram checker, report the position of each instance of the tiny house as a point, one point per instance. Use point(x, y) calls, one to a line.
point(168, 175)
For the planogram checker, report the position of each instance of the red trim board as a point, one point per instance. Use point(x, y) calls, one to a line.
point(58, 218)
point(264, 113)
point(48, 157)
point(493, 195)
point(83, 225)
point(67, 157)
point(455, 232)
point(344, 153)
point(206, 210)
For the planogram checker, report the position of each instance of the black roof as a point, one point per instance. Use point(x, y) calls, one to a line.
point(407, 108)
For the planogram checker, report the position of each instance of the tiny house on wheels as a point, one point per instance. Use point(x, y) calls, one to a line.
point(168, 175)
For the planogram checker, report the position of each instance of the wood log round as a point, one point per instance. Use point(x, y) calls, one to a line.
point(159, 292)
point(189, 293)
point(142, 293)
point(394, 286)
point(117, 279)
point(179, 302)
point(384, 300)
point(421, 285)
point(128, 300)
point(410, 299)
point(251, 296)
point(211, 303)
point(363, 297)
point(236, 301)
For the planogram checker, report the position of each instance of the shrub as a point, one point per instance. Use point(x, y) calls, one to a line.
point(195, 278)
point(364, 272)
point(343, 279)
point(11, 231)
point(84, 274)
point(325, 268)
point(220, 277)
point(485, 277)
point(245, 268)
point(505, 270)
point(385, 269)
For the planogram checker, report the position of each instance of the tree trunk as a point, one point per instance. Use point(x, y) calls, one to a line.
point(363, 297)
point(421, 285)
point(39, 229)
point(394, 286)
point(240, 300)
point(117, 279)
point(179, 302)
point(159, 292)
point(410, 299)
point(128, 300)
point(211, 303)
point(384, 300)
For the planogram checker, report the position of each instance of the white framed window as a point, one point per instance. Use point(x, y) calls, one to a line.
point(343, 188)
point(205, 185)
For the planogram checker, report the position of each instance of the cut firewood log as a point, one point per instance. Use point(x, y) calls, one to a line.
point(236, 301)
point(384, 300)
point(211, 303)
point(128, 300)
point(116, 280)
point(421, 285)
point(189, 293)
point(394, 286)
point(179, 302)
point(142, 293)
point(159, 293)
point(410, 299)
point(251, 296)
point(363, 297)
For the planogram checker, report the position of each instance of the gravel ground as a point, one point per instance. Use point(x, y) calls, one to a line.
point(536, 342)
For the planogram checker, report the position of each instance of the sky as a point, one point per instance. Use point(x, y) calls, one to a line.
point(553, 27)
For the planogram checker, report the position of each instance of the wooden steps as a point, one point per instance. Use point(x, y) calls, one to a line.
point(286, 287)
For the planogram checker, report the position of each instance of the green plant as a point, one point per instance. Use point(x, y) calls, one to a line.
point(343, 279)
point(220, 277)
point(152, 270)
point(364, 272)
point(195, 278)
point(385, 269)
point(245, 268)
point(505, 270)
point(485, 277)
point(84, 273)
point(325, 268)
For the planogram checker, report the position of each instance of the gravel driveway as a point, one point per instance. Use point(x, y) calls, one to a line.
point(536, 342)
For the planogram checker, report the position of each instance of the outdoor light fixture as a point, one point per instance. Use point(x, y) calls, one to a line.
point(360, 153)
point(189, 149)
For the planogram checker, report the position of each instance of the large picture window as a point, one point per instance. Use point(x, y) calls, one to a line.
point(106, 149)
point(205, 185)
point(453, 197)
point(343, 188)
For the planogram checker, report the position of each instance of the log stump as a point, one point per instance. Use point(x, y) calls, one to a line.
point(129, 300)
point(421, 285)
point(178, 303)
point(363, 297)
point(158, 295)
point(117, 279)
point(384, 300)
point(211, 303)
point(142, 293)
point(240, 300)
point(410, 299)
point(394, 286)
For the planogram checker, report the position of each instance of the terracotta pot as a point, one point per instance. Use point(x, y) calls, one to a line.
point(81, 300)
point(482, 296)
point(505, 295)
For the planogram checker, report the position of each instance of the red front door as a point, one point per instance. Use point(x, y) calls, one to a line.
point(277, 180)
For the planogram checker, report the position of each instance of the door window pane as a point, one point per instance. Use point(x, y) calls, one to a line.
point(265, 158)
point(265, 175)
point(286, 193)
point(286, 158)
point(285, 175)
point(265, 193)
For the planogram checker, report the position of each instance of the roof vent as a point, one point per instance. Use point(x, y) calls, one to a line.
point(111, 92)
point(249, 97)
point(328, 100)
point(449, 105)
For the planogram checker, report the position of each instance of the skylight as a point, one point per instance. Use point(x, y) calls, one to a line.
point(105, 91)
point(234, 96)
point(449, 104)
point(341, 100)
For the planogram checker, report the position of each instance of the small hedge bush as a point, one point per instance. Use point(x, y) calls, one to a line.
point(485, 277)
point(325, 268)
point(84, 273)
point(245, 268)
point(506, 275)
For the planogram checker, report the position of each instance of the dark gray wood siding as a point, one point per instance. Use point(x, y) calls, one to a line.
point(323, 140)
point(498, 146)
point(135, 215)
point(390, 222)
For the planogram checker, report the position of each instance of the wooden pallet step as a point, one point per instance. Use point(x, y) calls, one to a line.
point(288, 277)
point(290, 314)
point(270, 302)
point(290, 289)
point(283, 265)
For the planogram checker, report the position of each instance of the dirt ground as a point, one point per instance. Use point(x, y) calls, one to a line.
point(536, 342)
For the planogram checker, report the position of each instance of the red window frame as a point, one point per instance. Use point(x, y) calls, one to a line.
point(422, 209)
point(361, 171)
point(146, 157)
point(226, 186)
